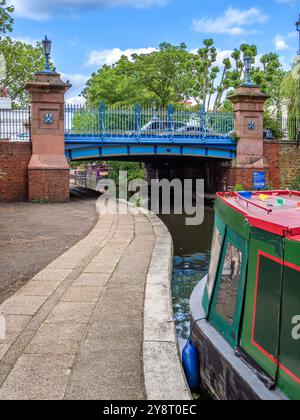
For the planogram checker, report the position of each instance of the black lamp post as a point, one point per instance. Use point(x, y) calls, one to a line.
point(298, 29)
point(248, 67)
point(47, 51)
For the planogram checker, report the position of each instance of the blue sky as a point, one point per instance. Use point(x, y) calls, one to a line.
point(89, 33)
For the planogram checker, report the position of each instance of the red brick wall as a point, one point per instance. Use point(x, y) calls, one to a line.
point(272, 157)
point(289, 163)
point(14, 160)
point(241, 176)
point(49, 185)
point(283, 167)
point(283, 158)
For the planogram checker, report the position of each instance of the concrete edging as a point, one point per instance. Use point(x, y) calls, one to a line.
point(163, 372)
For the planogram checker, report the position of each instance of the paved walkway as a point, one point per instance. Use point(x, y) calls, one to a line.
point(97, 323)
point(33, 235)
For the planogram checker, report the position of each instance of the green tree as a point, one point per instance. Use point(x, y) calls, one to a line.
point(269, 79)
point(290, 92)
point(114, 85)
point(163, 73)
point(267, 76)
point(134, 171)
point(173, 75)
point(222, 86)
point(6, 19)
point(159, 77)
point(203, 73)
point(22, 62)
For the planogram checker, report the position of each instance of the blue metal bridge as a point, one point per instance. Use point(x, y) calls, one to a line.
point(145, 132)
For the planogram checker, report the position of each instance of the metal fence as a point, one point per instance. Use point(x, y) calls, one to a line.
point(284, 128)
point(15, 125)
point(81, 121)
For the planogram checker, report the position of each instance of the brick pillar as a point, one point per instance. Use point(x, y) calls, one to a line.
point(248, 103)
point(48, 170)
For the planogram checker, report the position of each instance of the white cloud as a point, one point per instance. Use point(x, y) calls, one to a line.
point(26, 40)
point(222, 54)
point(233, 21)
point(78, 82)
point(75, 100)
point(45, 9)
point(280, 43)
point(293, 34)
point(109, 57)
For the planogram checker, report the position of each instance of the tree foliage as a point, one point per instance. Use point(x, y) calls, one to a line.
point(158, 77)
point(172, 74)
point(163, 73)
point(113, 85)
point(22, 62)
point(289, 90)
point(203, 73)
point(290, 93)
point(6, 20)
point(134, 171)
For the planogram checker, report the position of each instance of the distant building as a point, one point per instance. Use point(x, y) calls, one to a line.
point(5, 103)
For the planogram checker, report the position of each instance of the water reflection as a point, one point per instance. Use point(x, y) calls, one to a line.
point(191, 261)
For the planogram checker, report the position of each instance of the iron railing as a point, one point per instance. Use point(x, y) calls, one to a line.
point(138, 122)
point(15, 125)
point(284, 128)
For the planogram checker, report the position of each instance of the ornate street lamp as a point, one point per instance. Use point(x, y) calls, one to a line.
point(248, 67)
point(298, 29)
point(47, 51)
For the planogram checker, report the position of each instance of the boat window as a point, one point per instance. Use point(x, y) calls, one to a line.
point(215, 255)
point(227, 296)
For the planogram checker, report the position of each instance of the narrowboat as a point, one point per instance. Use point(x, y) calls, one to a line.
point(245, 315)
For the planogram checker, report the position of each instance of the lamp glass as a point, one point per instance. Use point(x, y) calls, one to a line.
point(47, 46)
point(248, 62)
point(298, 25)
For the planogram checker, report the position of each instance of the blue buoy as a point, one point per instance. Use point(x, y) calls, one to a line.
point(190, 361)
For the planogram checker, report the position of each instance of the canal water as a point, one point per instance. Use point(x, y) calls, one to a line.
point(192, 246)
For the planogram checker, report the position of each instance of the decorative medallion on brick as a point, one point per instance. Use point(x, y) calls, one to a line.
point(48, 119)
point(251, 125)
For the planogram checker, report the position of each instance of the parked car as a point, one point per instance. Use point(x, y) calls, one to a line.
point(162, 126)
point(268, 135)
point(21, 137)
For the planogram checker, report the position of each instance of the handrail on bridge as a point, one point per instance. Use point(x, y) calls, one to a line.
point(138, 122)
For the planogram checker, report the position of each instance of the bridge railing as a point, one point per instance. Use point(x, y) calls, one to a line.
point(15, 125)
point(138, 122)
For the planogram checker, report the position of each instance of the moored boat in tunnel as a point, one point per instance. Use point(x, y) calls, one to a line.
point(246, 313)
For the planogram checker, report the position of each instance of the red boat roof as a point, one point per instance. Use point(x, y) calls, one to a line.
point(274, 211)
